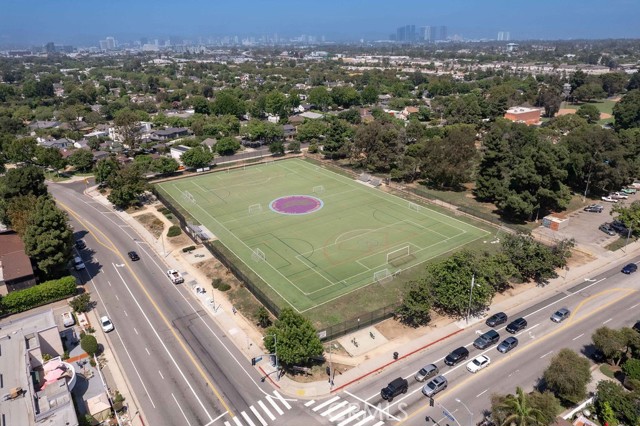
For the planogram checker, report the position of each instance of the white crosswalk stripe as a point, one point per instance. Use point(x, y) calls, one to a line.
point(258, 416)
point(258, 413)
point(334, 408)
point(324, 404)
point(237, 420)
point(247, 418)
point(343, 413)
point(352, 418)
point(365, 420)
point(266, 410)
point(275, 406)
point(284, 401)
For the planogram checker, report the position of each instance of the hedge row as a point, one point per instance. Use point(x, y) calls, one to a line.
point(49, 291)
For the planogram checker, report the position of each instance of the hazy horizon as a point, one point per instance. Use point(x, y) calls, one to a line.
point(33, 22)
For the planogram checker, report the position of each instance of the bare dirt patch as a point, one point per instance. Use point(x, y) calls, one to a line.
point(579, 258)
point(565, 111)
point(604, 116)
point(151, 223)
point(179, 241)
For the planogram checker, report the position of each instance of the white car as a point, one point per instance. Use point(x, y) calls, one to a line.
point(68, 319)
point(619, 195)
point(609, 199)
point(478, 363)
point(107, 325)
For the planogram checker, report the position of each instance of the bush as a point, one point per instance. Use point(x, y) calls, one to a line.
point(81, 303)
point(216, 282)
point(313, 148)
point(89, 344)
point(174, 231)
point(264, 320)
point(224, 287)
point(188, 249)
point(29, 298)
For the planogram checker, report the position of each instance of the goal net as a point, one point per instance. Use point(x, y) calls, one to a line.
point(258, 255)
point(414, 206)
point(399, 256)
point(382, 277)
point(187, 196)
point(255, 208)
point(318, 189)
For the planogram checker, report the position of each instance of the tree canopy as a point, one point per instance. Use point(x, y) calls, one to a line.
point(293, 338)
point(567, 376)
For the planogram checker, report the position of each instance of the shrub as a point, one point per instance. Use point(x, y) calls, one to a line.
point(224, 287)
point(174, 231)
point(313, 148)
point(81, 303)
point(264, 320)
point(89, 344)
point(48, 291)
point(65, 355)
point(216, 282)
point(188, 249)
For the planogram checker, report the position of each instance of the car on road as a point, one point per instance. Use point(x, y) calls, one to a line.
point(80, 244)
point(629, 269)
point(434, 386)
point(594, 208)
point(78, 264)
point(478, 363)
point(496, 319)
point(560, 315)
point(395, 388)
point(487, 339)
point(517, 325)
point(507, 344)
point(607, 229)
point(456, 356)
point(619, 195)
point(609, 199)
point(426, 372)
point(106, 323)
point(133, 256)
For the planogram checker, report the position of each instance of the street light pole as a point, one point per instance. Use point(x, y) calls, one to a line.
point(473, 279)
point(468, 411)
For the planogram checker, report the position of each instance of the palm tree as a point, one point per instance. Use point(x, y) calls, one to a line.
point(518, 412)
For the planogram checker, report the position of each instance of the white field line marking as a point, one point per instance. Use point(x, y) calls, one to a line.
point(266, 410)
point(257, 414)
point(160, 373)
point(374, 407)
point(148, 353)
point(134, 329)
point(181, 410)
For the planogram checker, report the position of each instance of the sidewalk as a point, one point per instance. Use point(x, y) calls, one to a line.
point(249, 341)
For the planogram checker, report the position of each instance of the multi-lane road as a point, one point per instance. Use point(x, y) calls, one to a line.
point(184, 370)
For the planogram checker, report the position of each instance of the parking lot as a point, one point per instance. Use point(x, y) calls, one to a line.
point(583, 227)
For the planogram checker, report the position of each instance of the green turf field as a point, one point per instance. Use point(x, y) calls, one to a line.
point(355, 236)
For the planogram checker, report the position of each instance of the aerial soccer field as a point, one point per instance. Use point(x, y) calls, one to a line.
point(312, 235)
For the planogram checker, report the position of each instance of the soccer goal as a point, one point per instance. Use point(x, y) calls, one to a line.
point(255, 208)
point(383, 276)
point(318, 189)
point(187, 196)
point(258, 255)
point(414, 206)
point(399, 256)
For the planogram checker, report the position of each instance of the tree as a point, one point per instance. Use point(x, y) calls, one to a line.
point(197, 157)
point(607, 415)
point(629, 215)
point(311, 130)
point(48, 238)
point(415, 308)
point(610, 342)
point(378, 146)
point(588, 92)
point(589, 112)
point(369, 95)
point(294, 146)
point(105, 169)
point(550, 99)
point(81, 159)
point(463, 109)
point(276, 103)
point(89, 344)
point(227, 103)
point(276, 148)
point(515, 410)
point(567, 376)
point(448, 162)
point(127, 122)
point(18, 212)
point(533, 260)
point(126, 186)
point(227, 146)
point(164, 165)
point(627, 111)
point(320, 97)
point(623, 403)
point(26, 180)
point(264, 319)
point(81, 303)
point(49, 158)
point(547, 404)
point(345, 96)
point(614, 82)
point(634, 82)
point(21, 150)
point(200, 105)
point(293, 338)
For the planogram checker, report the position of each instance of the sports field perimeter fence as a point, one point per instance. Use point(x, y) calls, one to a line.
point(354, 324)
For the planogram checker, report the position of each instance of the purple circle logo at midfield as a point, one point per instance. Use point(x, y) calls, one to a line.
point(296, 204)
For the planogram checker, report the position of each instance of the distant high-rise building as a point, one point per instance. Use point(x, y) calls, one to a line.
point(144, 40)
point(111, 43)
point(443, 33)
point(406, 33)
point(50, 47)
point(504, 36)
point(103, 44)
point(427, 34)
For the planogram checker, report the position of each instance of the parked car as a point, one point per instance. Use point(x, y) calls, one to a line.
point(594, 208)
point(78, 264)
point(609, 199)
point(456, 356)
point(517, 325)
point(560, 315)
point(434, 386)
point(629, 269)
point(80, 244)
point(133, 256)
point(619, 227)
point(489, 338)
point(496, 319)
point(395, 388)
point(629, 191)
point(607, 229)
point(68, 319)
point(507, 344)
point(426, 372)
point(107, 325)
point(478, 363)
point(619, 195)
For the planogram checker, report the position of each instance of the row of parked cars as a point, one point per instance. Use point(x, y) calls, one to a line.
point(623, 194)
point(437, 382)
point(613, 228)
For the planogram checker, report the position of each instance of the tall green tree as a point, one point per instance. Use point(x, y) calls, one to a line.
point(105, 169)
point(197, 157)
point(293, 338)
point(589, 112)
point(81, 159)
point(164, 165)
point(515, 410)
point(627, 111)
point(227, 103)
point(623, 404)
point(533, 260)
point(227, 146)
point(567, 376)
point(378, 146)
point(320, 97)
point(127, 184)
point(127, 122)
point(415, 307)
point(449, 160)
point(18, 212)
point(26, 180)
point(48, 238)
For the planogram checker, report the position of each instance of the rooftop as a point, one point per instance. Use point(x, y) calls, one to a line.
point(521, 110)
point(14, 263)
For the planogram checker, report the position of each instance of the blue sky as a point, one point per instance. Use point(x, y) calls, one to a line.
point(77, 22)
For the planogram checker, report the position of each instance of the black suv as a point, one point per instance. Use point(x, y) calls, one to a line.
point(594, 208)
point(395, 388)
point(496, 319)
point(489, 338)
point(619, 227)
point(517, 325)
point(457, 356)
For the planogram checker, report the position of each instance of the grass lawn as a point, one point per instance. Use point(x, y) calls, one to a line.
point(603, 105)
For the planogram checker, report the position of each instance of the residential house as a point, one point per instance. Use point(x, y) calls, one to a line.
point(99, 155)
point(296, 120)
point(62, 143)
point(170, 133)
point(289, 131)
point(210, 143)
point(273, 118)
point(311, 115)
point(42, 124)
point(366, 116)
point(384, 99)
point(304, 107)
point(528, 116)
point(176, 151)
point(35, 391)
point(407, 111)
point(16, 272)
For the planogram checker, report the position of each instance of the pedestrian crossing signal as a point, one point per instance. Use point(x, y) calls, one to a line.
point(431, 403)
point(253, 361)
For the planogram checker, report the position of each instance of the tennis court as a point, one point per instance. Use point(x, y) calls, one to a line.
point(313, 235)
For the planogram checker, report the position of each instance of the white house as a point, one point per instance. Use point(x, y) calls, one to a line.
point(177, 151)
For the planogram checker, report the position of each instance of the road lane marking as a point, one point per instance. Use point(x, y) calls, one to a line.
point(548, 353)
point(217, 418)
point(310, 403)
point(266, 410)
point(633, 307)
point(117, 296)
point(607, 321)
point(134, 329)
point(247, 418)
point(352, 418)
point(181, 410)
point(334, 408)
point(275, 406)
point(160, 373)
point(125, 313)
point(284, 401)
point(577, 337)
point(343, 413)
point(482, 393)
point(324, 404)
point(148, 353)
point(257, 414)
point(373, 406)
point(109, 282)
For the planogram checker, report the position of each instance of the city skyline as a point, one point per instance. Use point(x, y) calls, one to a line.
point(84, 23)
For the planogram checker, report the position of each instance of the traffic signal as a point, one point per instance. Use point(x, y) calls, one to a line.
point(328, 370)
point(253, 361)
point(431, 402)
